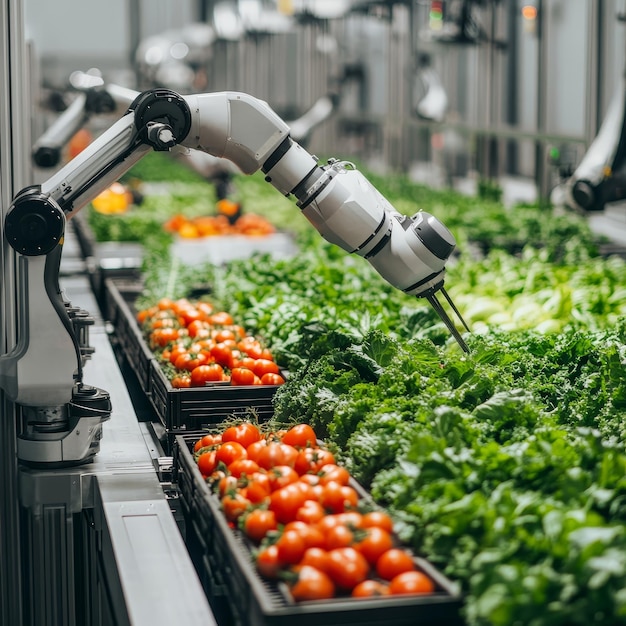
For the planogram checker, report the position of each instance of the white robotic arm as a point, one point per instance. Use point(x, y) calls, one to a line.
point(43, 374)
point(600, 177)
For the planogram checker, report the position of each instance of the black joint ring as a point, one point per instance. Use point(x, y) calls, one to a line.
point(162, 105)
point(34, 225)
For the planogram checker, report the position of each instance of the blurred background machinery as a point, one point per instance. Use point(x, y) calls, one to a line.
point(456, 92)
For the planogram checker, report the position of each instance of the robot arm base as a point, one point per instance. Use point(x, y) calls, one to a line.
point(64, 449)
point(65, 435)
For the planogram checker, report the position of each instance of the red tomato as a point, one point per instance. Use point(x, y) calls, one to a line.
point(189, 314)
point(370, 589)
point(258, 522)
point(315, 557)
point(255, 448)
point(176, 351)
point(244, 433)
point(312, 459)
point(267, 561)
point(272, 379)
point(241, 376)
point(221, 318)
point(251, 346)
point(334, 473)
point(353, 519)
point(378, 518)
point(166, 322)
point(206, 308)
point(300, 436)
point(282, 475)
point(246, 362)
point(277, 453)
point(266, 353)
point(206, 374)
point(241, 467)
point(165, 303)
point(347, 567)
point(145, 314)
point(338, 498)
point(227, 483)
point(210, 440)
point(311, 584)
point(181, 381)
point(196, 327)
point(163, 336)
point(180, 304)
point(310, 479)
point(258, 487)
point(308, 491)
point(291, 547)
point(265, 366)
point(411, 582)
point(310, 512)
point(286, 501)
point(329, 521)
point(313, 536)
point(223, 354)
point(230, 451)
point(393, 562)
point(339, 536)
point(235, 504)
point(376, 542)
point(207, 463)
point(225, 334)
point(190, 360)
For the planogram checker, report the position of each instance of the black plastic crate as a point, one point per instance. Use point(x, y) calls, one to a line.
point(240, 597)
point(119, 311)
point(178, 409)
point(196, 408)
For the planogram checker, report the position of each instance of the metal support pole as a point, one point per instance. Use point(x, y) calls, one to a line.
point(512, 86)
point(595, 70)
point(134, 29)
point(13, 137)
point(541, 173)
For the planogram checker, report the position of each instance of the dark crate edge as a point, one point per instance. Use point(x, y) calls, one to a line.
point(128, 335)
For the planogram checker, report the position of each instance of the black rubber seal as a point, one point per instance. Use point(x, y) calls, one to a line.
point(277, 155)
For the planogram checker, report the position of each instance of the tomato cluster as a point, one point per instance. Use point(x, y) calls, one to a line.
point(198, 345)
point(249, 224)
point(299, 508)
